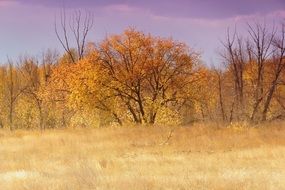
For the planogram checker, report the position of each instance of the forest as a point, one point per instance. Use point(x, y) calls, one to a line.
point(136, 78)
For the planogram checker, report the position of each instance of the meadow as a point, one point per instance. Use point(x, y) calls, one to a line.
point(202, 156)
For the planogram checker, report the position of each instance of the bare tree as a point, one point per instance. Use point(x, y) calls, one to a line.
point(74, 30)
point(236, 59)
point(278, 64)
point(261, 49)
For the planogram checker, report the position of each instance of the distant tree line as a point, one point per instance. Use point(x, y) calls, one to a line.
point(137, 78)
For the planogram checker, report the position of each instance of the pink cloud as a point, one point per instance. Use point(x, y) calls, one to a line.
point(223, 22)
point(124, 8)
point(7, 3)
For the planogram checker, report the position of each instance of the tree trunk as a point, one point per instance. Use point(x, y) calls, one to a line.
point(221, 98)
point(270, 94)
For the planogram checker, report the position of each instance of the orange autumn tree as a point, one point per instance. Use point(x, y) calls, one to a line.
point(148, 78)
point(75, 93)
point(133, 77)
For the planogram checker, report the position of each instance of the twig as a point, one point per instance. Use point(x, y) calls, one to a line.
point(170, 134)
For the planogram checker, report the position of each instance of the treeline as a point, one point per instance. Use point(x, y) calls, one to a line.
point(137, 78)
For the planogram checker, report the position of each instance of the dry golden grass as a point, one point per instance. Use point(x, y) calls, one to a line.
point(197, 157)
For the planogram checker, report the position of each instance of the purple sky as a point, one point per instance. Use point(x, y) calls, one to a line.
point(27, 26)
